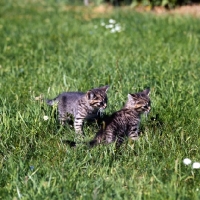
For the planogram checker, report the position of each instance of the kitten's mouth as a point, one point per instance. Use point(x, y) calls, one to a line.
point(149, 108)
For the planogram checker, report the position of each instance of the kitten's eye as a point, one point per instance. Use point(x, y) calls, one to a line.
point(145, 106)
point(98, 104)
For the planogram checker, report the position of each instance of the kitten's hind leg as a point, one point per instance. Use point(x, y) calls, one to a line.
point(110, 137)
point(62, 119)
point(65, 119)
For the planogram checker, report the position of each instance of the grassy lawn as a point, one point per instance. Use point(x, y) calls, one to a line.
point(47, 48)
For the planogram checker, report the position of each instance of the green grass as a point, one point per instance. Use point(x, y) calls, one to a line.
point(45, 49)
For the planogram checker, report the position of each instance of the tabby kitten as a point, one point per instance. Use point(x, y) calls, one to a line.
point(125, 122)
point(82, 106)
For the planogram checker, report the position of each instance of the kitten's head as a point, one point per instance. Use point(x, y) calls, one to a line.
point(97, 97)
point(139, 101)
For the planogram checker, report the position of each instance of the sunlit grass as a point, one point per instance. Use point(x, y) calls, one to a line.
point(47, 48)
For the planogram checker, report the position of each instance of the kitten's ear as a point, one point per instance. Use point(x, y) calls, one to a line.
point(132, 97)
point(147, 91)
point(105, 88)
point(90, 95)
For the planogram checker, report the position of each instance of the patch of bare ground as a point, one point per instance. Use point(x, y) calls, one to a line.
point(103, 9)
point(193, 10)
point(89, 12)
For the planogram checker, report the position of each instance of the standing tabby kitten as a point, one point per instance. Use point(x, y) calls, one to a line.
point(125, 122)
point(82, 106)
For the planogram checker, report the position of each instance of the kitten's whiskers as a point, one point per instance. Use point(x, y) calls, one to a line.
point(146, 114)
point(100, 112)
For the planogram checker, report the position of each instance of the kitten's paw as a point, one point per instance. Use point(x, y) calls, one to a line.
point(134, 137)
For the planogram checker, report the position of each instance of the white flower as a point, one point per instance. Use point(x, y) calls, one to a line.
point(187, 161)
point(109, 26)
point(112, 30)
point(103, 24)
point(118, 28)
point(196, 165)
point(112, 21)
point(45, 118)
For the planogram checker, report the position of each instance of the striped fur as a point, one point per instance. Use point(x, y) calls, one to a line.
point(81, 106)
point(125, 122)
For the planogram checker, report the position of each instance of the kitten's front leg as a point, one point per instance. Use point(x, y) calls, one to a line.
point(78, 125)
point(133, 133)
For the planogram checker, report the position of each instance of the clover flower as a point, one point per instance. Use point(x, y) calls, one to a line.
point(112, 30)
point(118, 27)
point(109, 26)
point(187, 161)
point(112, 21)
point(45, 118)
point(196, 165)
point(113, 26)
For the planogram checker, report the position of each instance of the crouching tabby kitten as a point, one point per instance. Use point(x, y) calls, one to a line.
point(82, 106)
point(125, 122)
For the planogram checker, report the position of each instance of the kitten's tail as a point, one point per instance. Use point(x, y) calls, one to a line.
point(98, 139)
point(93, 143)
point(90, 144)
point(70, 143)
point(74, 144)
